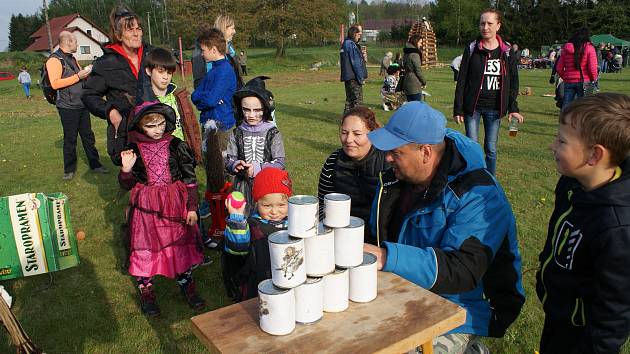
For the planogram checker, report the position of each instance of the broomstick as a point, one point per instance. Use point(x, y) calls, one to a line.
point(20, 339)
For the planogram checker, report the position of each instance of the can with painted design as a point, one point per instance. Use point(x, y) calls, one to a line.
point(286, 253)
point(276, 308)
point(303, 216)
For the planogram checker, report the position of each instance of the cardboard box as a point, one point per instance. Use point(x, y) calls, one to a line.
point(36, 235)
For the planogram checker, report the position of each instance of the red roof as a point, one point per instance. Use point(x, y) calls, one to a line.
point(57, 25)
point(385, 24)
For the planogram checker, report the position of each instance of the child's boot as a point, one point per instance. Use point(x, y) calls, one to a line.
point(147, 301)
point(194, 301)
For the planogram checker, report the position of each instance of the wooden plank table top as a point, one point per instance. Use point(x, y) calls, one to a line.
point(402, 317)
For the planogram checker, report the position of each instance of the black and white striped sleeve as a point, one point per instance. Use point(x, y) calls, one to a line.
point(326, 181)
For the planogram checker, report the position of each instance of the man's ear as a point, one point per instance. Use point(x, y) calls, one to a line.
point(427, 152)
point(148, 71)
point(598, 154)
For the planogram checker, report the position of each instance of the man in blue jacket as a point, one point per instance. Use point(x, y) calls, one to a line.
point(353, 69)
point(443, 222)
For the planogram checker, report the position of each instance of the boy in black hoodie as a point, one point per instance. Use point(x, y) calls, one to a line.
point(583, 281)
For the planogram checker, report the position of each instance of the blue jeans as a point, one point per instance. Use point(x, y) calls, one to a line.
point(27, 88)
point(571, 92)
point(491, 124)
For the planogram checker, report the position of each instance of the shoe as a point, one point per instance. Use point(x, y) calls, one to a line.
point(204, 209)
point(211, 243)
point(147, 301)
point(101, 170)
point(204, 262)
point(194, 301)
point(68, 176)
point(385, 108)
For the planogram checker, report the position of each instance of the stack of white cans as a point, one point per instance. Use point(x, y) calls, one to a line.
point(316, 267)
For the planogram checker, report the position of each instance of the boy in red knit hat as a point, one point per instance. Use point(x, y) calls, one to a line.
point(245, 258)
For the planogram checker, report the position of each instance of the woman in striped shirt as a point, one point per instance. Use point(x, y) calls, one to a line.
point(354, 169)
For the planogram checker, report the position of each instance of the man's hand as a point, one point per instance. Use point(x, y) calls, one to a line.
point(115, 118)
point(85, 72)
point(518, 116)
point(458, 119)
point(191, 218)
point(128, 159)
point(380, 253)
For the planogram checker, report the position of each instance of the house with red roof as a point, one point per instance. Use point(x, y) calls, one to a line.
point(89, 36)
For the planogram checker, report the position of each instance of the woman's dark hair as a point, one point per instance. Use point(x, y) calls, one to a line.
point(367, 116)
point(414, 39)
point(579, 39)
point(120, 19)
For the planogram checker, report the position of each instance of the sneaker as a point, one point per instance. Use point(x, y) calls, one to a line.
point(194, 301)
point(101, 170)
point(204, 262)
point(147, 301)
point(385, 108)
point(204, 209)
point(68, 176)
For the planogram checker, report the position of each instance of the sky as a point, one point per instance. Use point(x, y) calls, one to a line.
point(14, 7)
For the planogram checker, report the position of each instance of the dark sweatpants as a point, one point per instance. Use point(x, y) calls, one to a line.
point(77, 121)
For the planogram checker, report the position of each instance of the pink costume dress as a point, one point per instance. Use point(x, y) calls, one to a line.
point(160, 240)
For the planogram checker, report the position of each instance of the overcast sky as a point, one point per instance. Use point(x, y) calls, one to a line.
point(14, 7)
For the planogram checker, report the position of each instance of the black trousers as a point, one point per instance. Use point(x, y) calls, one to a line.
point(244, 69)
point(77, 121)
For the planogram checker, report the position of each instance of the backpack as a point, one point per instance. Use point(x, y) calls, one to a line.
point(50, 94)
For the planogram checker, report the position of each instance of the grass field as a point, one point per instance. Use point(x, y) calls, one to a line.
point(93, 308)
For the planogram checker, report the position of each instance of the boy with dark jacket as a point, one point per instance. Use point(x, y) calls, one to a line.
point(583, 281)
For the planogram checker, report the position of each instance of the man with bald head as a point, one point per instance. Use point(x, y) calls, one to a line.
point(67, 77)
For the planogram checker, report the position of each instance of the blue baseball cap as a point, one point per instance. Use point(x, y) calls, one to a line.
point(415, 122)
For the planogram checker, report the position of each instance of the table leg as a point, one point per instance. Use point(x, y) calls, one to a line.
point(427, 348)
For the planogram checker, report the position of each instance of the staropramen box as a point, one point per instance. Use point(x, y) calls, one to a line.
point(36, 235)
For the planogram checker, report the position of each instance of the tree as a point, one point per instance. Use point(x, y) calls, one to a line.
point(20, 29)
point(303, 22)
point(456, 20)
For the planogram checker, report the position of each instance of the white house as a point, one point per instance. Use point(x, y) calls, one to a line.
point(89, 36)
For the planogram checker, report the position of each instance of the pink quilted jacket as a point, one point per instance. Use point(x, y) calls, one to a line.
point(566, 67)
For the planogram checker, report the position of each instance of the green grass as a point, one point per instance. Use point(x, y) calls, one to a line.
point(93, 308)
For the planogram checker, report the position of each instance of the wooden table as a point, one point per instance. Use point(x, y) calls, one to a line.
point(403, 316)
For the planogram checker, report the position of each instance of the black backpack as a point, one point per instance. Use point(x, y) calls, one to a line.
point(50, 94)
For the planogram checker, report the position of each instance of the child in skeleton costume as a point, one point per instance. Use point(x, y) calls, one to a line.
point(256, 144)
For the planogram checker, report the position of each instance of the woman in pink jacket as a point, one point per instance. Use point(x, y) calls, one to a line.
point(577, 65)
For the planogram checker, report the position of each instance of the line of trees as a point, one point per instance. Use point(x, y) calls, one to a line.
point(531, 23)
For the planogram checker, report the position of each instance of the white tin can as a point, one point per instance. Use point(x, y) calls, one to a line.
point(349, 244)
point(337, 210)
point(303, 216)
point(363, 280)
point(287, 260)
point(320, 252)
point(336, 290)
point(276, 308)
point(309, 301)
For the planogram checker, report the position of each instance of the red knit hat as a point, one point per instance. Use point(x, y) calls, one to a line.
point(271, 180)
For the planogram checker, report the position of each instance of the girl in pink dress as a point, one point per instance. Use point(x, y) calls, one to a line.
point(159, 169)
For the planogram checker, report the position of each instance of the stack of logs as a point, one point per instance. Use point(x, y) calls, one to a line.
point(428, 45)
